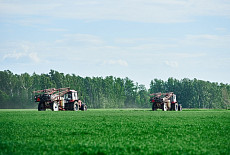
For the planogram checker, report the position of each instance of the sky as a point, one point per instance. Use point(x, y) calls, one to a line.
point(138, 39)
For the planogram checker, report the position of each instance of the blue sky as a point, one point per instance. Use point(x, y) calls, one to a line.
point(139, 39)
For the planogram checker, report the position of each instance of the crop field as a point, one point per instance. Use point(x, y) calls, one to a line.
point(115, 132)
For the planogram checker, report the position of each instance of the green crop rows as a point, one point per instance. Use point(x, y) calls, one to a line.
point(114, 132)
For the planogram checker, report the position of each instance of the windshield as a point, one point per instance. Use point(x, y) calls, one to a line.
point(68, 96)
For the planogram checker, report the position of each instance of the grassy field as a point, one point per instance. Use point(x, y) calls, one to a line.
point(115, 132)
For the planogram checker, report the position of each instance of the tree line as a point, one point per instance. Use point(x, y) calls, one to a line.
point(110, 92)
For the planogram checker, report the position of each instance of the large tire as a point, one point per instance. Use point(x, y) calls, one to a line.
point(180, 107)
point(164, 107)
point(75, 106)
point(54, 106)
point(153, 107)
point(172, 106)
point(83, 107)
point(41, 106)
point(175, 106)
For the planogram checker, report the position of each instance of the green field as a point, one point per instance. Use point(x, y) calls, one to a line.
point(115, 132)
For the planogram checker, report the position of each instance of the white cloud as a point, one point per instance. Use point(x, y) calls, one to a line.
point(14, 55)
point(172, 64)
point(82, 38)
point(135, 40)
point(188, 55)
point(152, 47)
point(31, 21)
point(116, 62)
point(202, 36)
point(221, 29)
point(21, 51)
point(155, 11)
point(207, 40)
point(56, 30)
point(34, 56)
point(20, 55)
point(187, 42)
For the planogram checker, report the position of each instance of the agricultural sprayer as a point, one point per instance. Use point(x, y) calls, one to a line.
point(58, 99)
point(165, 101)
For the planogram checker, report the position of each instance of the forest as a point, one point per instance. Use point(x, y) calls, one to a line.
point(16, 91)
